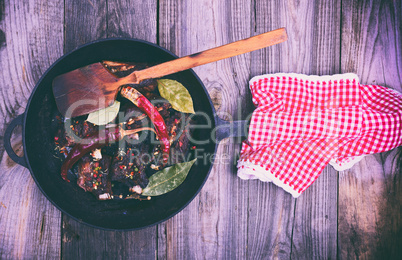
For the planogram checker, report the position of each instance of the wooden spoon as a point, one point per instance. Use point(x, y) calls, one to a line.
point(72, 89)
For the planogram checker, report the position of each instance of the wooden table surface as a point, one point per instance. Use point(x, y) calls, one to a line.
point(347, 215)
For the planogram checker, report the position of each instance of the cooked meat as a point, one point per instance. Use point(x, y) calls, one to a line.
point(178, 128)
point(132, 156)
point(134, 117)
point(94, 176)
point(82, 128)
point(79, 128)
point(129, 164)
point(180, 148)
point(124, 167)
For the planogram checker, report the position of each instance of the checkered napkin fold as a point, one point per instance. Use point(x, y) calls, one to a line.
point(302, 123)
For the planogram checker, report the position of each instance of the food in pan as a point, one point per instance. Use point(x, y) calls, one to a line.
point(143, 151)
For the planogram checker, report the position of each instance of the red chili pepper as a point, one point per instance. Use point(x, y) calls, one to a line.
point(146, 106)
point(95, 141)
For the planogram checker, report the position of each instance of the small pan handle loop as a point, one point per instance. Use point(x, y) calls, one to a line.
point(7, 141)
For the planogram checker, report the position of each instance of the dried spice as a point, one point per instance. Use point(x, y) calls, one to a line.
point(177, 95)
point(168, 179)
point(105, 115)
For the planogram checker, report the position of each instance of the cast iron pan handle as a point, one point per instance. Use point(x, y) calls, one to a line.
point(7, 138)
point(230, 128)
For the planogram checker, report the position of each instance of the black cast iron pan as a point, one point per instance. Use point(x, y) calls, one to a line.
point(37, 141)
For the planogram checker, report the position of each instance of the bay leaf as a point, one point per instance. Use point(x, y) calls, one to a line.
point(104, 115)
point(177, 95)
point(168, 179)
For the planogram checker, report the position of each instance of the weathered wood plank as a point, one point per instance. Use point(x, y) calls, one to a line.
point(370, 194)
point(82, 242)
point(230, 218)
point(31, 38)
point(114, 19)
point(315, 223)
point(214, 225)
point(306, 228)
point(136, 20)
point(133, 19)
point(84, 21)
point(270, 221)
point(315, 227)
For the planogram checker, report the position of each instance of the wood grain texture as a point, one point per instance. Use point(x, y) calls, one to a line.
point(84, 21)
point(370, 194)
point(133, 19)
point(270, 222)
point(82, 242)
point(214, 225)
point(310, 225)
point(31, 38)
point(211, 55)
point(315, 224)
point(230, 218)
point(115, 19)
point(314, 232)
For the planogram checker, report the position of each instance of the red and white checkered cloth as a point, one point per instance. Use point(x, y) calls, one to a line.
point(302, 123)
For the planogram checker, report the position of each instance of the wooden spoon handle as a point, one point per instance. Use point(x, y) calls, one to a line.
point(226, 51)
